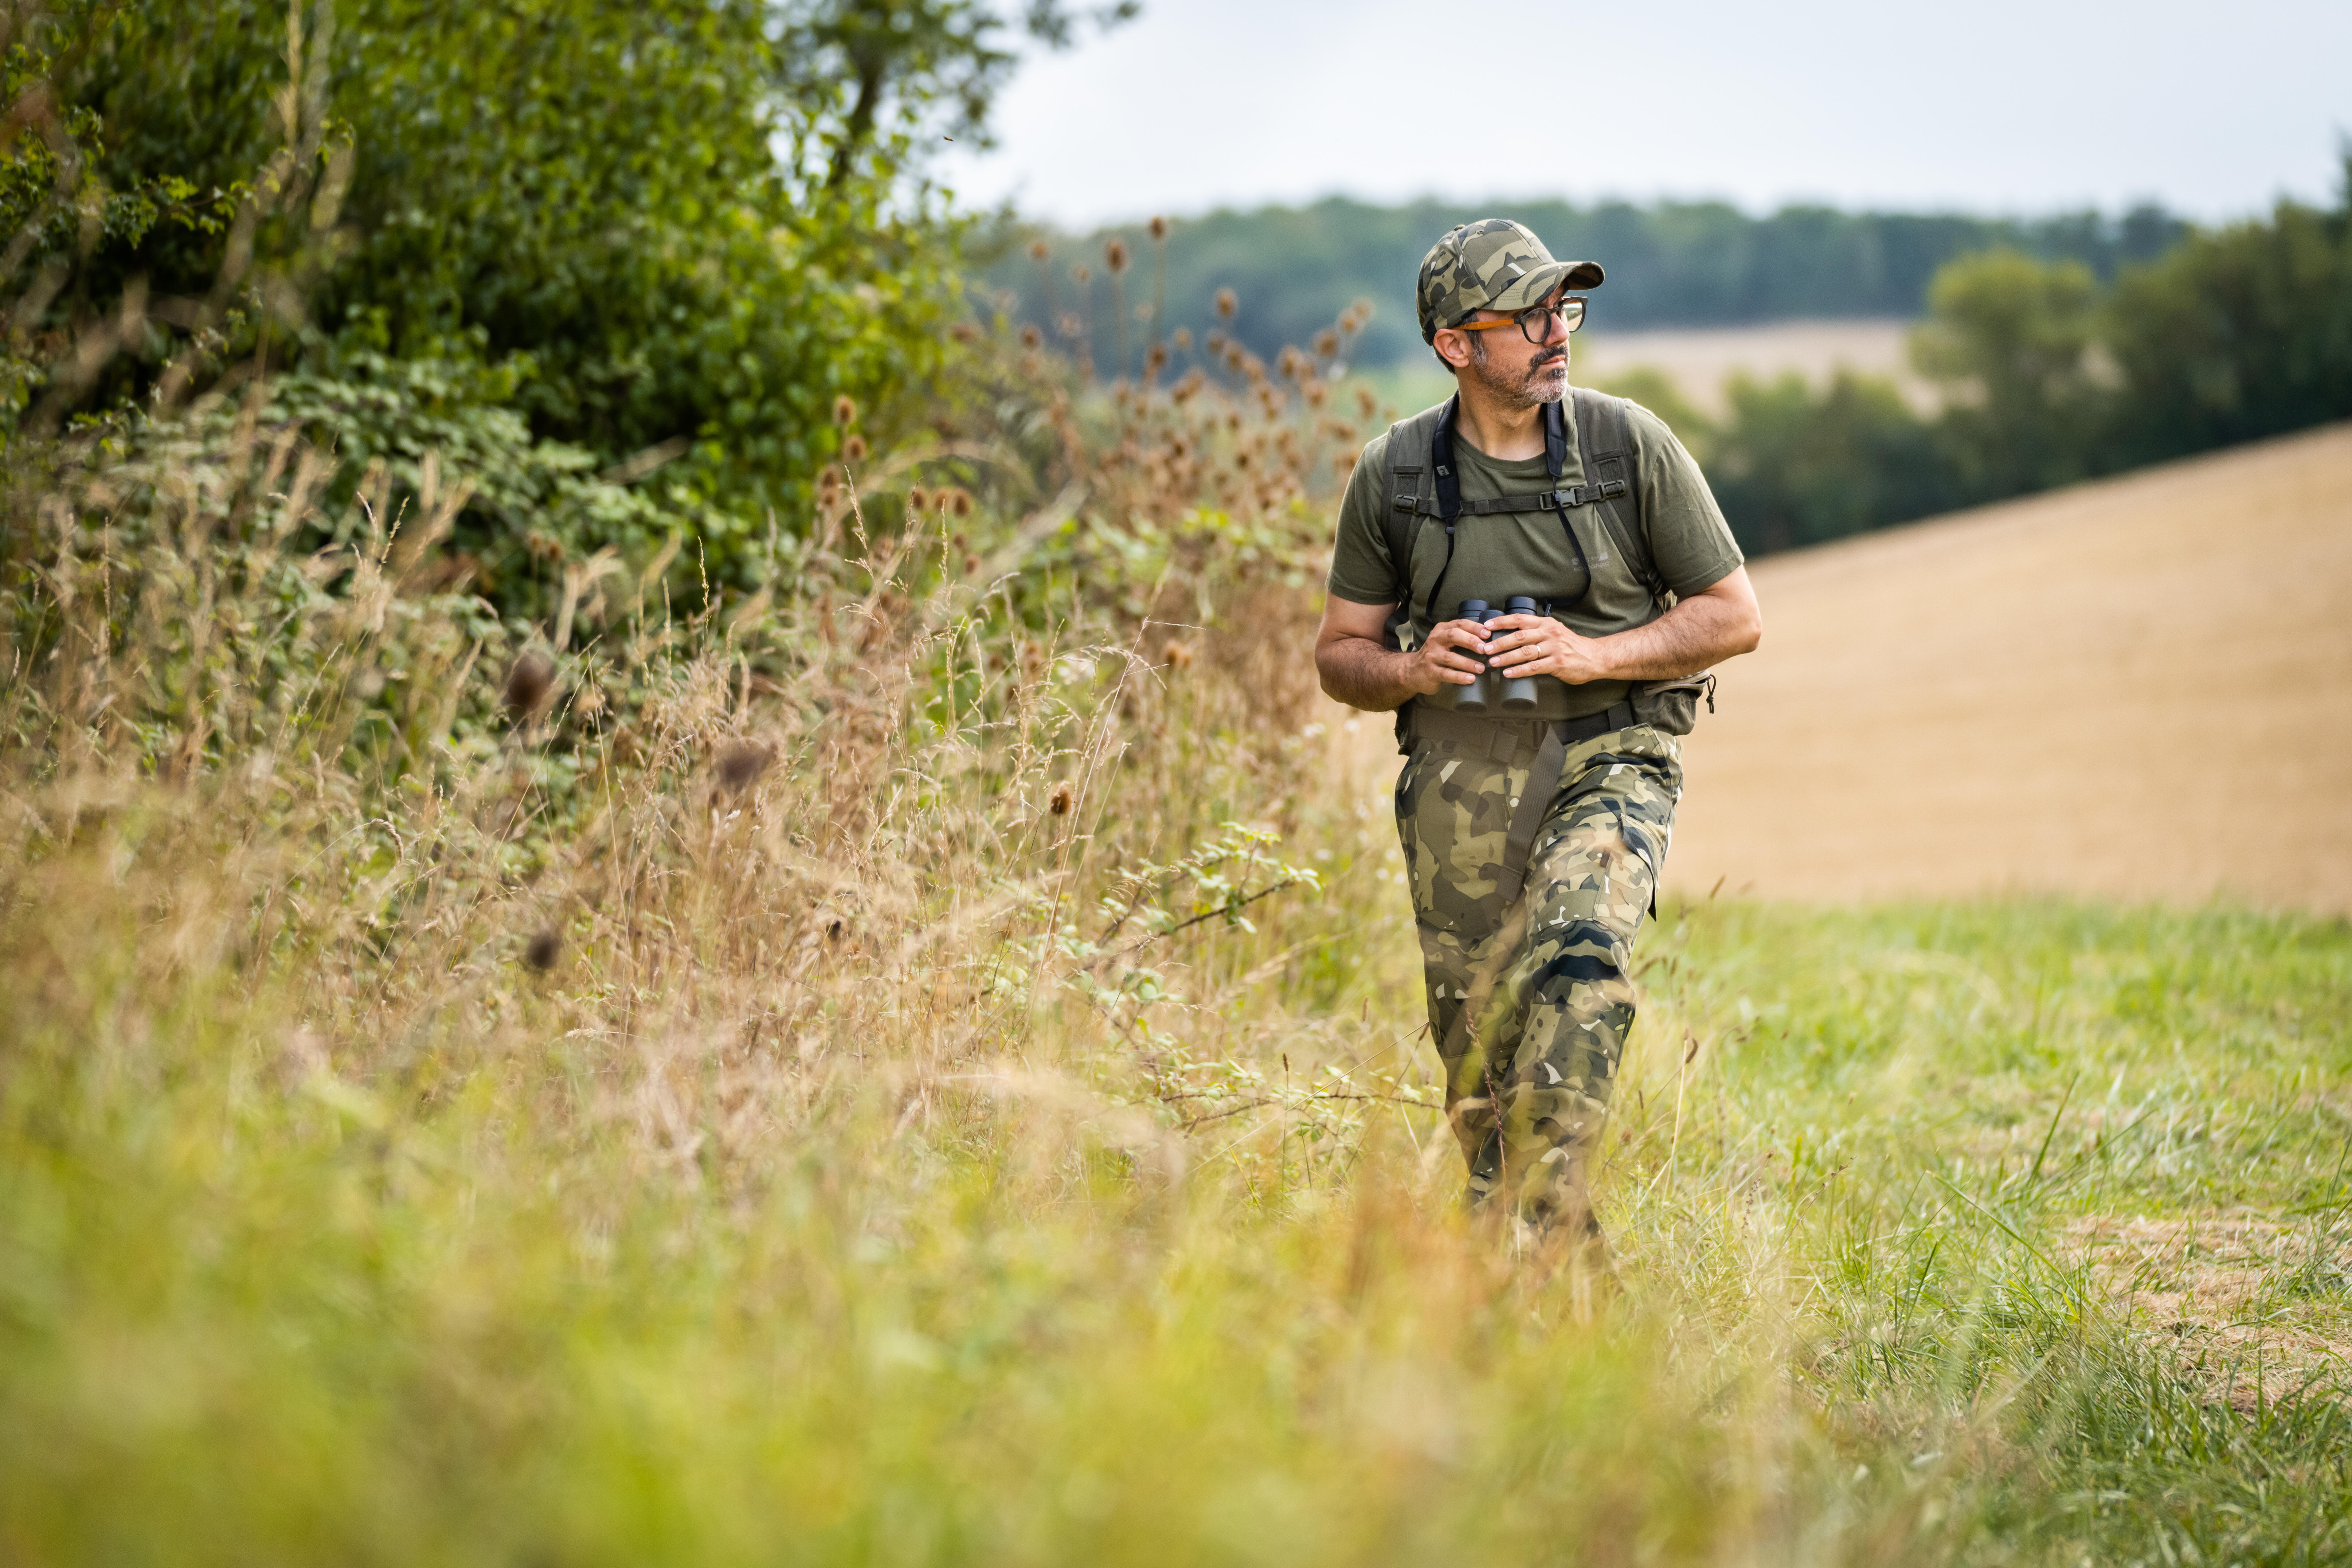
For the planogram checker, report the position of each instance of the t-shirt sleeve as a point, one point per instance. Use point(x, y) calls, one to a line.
point(1361, 571)
point(1689, 539)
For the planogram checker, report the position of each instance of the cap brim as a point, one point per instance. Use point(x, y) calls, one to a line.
point(1531, 289)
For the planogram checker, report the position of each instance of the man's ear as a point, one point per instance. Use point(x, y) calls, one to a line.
point(1453, 347)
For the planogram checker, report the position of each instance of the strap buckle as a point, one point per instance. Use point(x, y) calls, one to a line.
point(1409, 482)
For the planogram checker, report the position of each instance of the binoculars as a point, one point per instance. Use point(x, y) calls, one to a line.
point(1494, 692)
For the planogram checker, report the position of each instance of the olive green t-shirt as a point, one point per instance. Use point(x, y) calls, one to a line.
point(1497, 555)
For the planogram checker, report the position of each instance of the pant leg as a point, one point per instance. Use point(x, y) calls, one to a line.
point(1530, 1004)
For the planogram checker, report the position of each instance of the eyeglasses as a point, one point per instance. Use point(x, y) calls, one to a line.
point(1535, 321)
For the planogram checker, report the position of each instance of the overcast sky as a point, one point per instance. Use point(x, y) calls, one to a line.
point(2011, 106)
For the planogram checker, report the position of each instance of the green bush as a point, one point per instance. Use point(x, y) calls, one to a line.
point(1793, 466)
point(671, 235)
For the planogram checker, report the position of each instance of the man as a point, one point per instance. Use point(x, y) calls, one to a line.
point(1534, 839)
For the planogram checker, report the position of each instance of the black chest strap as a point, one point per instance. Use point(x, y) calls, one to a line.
point(1451, 507)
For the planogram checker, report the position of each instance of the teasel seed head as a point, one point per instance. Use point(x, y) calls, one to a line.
point(1039, 250)
point(740, 762)
point(539, 953)
point(1158, 227)
point(845, 411)
point(854, 449)
point(1228, 303)
point(1115, 254)
point(1031, 337)
point(528, 682)
point(1059, 803)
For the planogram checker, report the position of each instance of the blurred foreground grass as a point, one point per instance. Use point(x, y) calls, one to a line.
point(1997, 1233)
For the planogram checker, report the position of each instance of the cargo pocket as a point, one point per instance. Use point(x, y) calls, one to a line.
point(1671, 707)
point(1453, 813)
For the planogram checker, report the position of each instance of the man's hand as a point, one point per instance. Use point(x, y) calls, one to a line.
point(1441, 661)
point(1537, 645)
point(1359, 668)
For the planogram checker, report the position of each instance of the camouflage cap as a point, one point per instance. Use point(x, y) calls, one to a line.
point(1491, 265)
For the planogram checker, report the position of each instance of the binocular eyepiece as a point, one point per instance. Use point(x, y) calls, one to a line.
point(1496, 691)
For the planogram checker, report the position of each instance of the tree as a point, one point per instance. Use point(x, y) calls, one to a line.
point(2242, 333)
point(1793, 467)
point(2009, 340)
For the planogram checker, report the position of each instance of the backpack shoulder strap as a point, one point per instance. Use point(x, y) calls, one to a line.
point(1608, 447)
point(1410, 496)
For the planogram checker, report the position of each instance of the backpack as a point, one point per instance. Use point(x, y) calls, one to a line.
point(1421, 449)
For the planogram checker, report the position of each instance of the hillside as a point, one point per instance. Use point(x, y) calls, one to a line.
point(2140, 689)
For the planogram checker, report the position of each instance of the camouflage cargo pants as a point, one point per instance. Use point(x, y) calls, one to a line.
point(1530, 1003)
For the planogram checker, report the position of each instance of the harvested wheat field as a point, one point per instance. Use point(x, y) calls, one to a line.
point(2139, 688)
point(1700, 361)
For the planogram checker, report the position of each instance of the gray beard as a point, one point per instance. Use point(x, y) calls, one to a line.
point(1527, 390)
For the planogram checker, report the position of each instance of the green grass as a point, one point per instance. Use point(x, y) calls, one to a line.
point(557, 1307)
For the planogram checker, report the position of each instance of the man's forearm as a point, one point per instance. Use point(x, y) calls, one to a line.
point(1361, 673)
point(1698, 632)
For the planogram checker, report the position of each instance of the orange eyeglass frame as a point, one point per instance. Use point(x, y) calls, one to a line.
point(1514, 321)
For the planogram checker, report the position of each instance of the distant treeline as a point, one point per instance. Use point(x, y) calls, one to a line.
point(2049, 374)
point(1293, 269)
